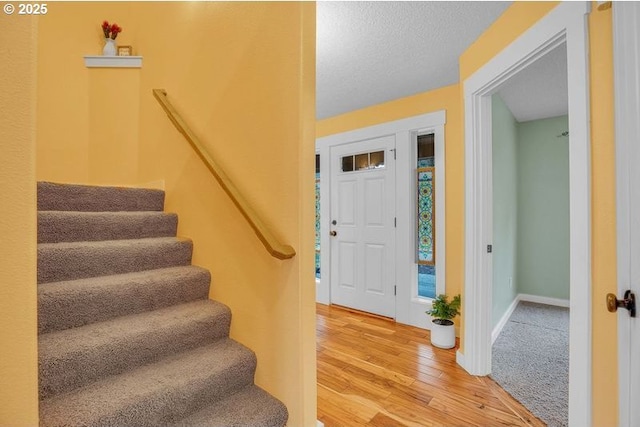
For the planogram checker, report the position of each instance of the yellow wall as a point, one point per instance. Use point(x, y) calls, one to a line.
point(511, 24)
point(243, 77)
point(448, 99)
point(603, 226)
point(18, 301)
point(508, 27)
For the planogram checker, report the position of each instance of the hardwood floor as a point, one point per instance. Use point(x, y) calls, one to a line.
point(374, 372)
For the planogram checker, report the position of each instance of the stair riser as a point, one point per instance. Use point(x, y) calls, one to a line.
point(124, 351)
point(64, 197)
point(68, 261)
point(54, 226)
point(67, 305)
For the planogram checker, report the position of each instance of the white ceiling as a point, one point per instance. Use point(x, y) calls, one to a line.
point(373, 52)
point(539, 91)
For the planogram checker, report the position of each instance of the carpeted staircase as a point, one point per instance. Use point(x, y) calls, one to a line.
point(127, 334)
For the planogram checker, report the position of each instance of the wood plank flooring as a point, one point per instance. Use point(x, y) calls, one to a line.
point(374, 372)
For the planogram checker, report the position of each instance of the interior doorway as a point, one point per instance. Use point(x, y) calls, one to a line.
point(565, 24)
point(530, 243)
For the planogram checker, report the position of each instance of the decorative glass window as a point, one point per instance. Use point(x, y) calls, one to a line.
point(426, 234)
point(425, 213)
point(358, 162)
point(317, 216)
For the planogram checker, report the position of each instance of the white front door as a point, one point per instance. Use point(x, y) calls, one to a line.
point(626, 22)
point(363, 225)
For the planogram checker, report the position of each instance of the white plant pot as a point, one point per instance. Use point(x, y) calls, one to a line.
point(443, 336)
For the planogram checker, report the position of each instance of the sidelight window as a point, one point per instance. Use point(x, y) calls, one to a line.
point(425, 216)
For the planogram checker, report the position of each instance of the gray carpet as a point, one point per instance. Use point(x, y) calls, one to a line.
point(530, 360)
point(126, 333)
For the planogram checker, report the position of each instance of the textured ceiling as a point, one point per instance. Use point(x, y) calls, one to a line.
point(372, 52)
point(539, 91)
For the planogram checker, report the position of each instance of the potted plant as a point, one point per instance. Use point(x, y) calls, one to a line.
point(443, 333)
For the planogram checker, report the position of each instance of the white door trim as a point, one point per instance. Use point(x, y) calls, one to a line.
point(626, 57)
point(409, 310)
point(567, 22)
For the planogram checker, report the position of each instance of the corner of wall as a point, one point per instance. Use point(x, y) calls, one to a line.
point(18, 298)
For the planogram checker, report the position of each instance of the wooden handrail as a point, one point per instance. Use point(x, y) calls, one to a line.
point(273, 246)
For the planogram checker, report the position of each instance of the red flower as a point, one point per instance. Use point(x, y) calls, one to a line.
point(105, 28)
point(111, 30)
point(115, 29)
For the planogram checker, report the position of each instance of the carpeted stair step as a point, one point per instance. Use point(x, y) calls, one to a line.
point(158, 394)
point(69, 226)
point(77, 260)
point(75, 357)
point(250, 407)
point(69, 304)
point(72, 197)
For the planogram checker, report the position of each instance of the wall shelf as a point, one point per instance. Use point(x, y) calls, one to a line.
point(100, 61)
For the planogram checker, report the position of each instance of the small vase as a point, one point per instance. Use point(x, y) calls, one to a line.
point(109, 47)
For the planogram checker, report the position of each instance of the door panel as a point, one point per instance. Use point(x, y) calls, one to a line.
point(347, 209)
point(363, 208)
point(347, 262)
point(626, 23)
point(374, 202)
point(374, 269)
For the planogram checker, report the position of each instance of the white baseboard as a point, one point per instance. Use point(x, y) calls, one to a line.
point(460, 359)
point(319, 423)
point(504, 319)
point(528, 298)
point(544, 300)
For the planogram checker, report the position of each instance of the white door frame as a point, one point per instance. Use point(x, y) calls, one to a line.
point(626, 57)
point(409, 309)
point(566, 22)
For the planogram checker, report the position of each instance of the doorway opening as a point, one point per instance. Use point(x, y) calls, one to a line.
point(350, 193)
point(530, 243)
point(565, 23)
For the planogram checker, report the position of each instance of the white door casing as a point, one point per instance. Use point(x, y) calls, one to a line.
point(409, 309)
point(363, 247)
point(567, 22)
point(626, 55)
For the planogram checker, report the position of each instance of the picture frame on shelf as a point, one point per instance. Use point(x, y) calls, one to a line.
point(125, 51)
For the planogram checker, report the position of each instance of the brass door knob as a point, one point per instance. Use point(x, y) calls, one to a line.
point(333, 233)
point(629, 302)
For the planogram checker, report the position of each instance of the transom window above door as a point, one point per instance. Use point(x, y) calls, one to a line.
point(364, 161)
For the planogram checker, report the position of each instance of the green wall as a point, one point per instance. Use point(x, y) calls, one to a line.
point(505, 209)
point(543, 208)
point(530, 208)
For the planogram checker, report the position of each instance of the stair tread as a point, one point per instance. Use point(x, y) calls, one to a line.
point(156, 394)
point(76, 260)
point(75, 197)
point(149, 241)
point(72, 226)
point(73, 303)
point(250, 407)
point(71, 358)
